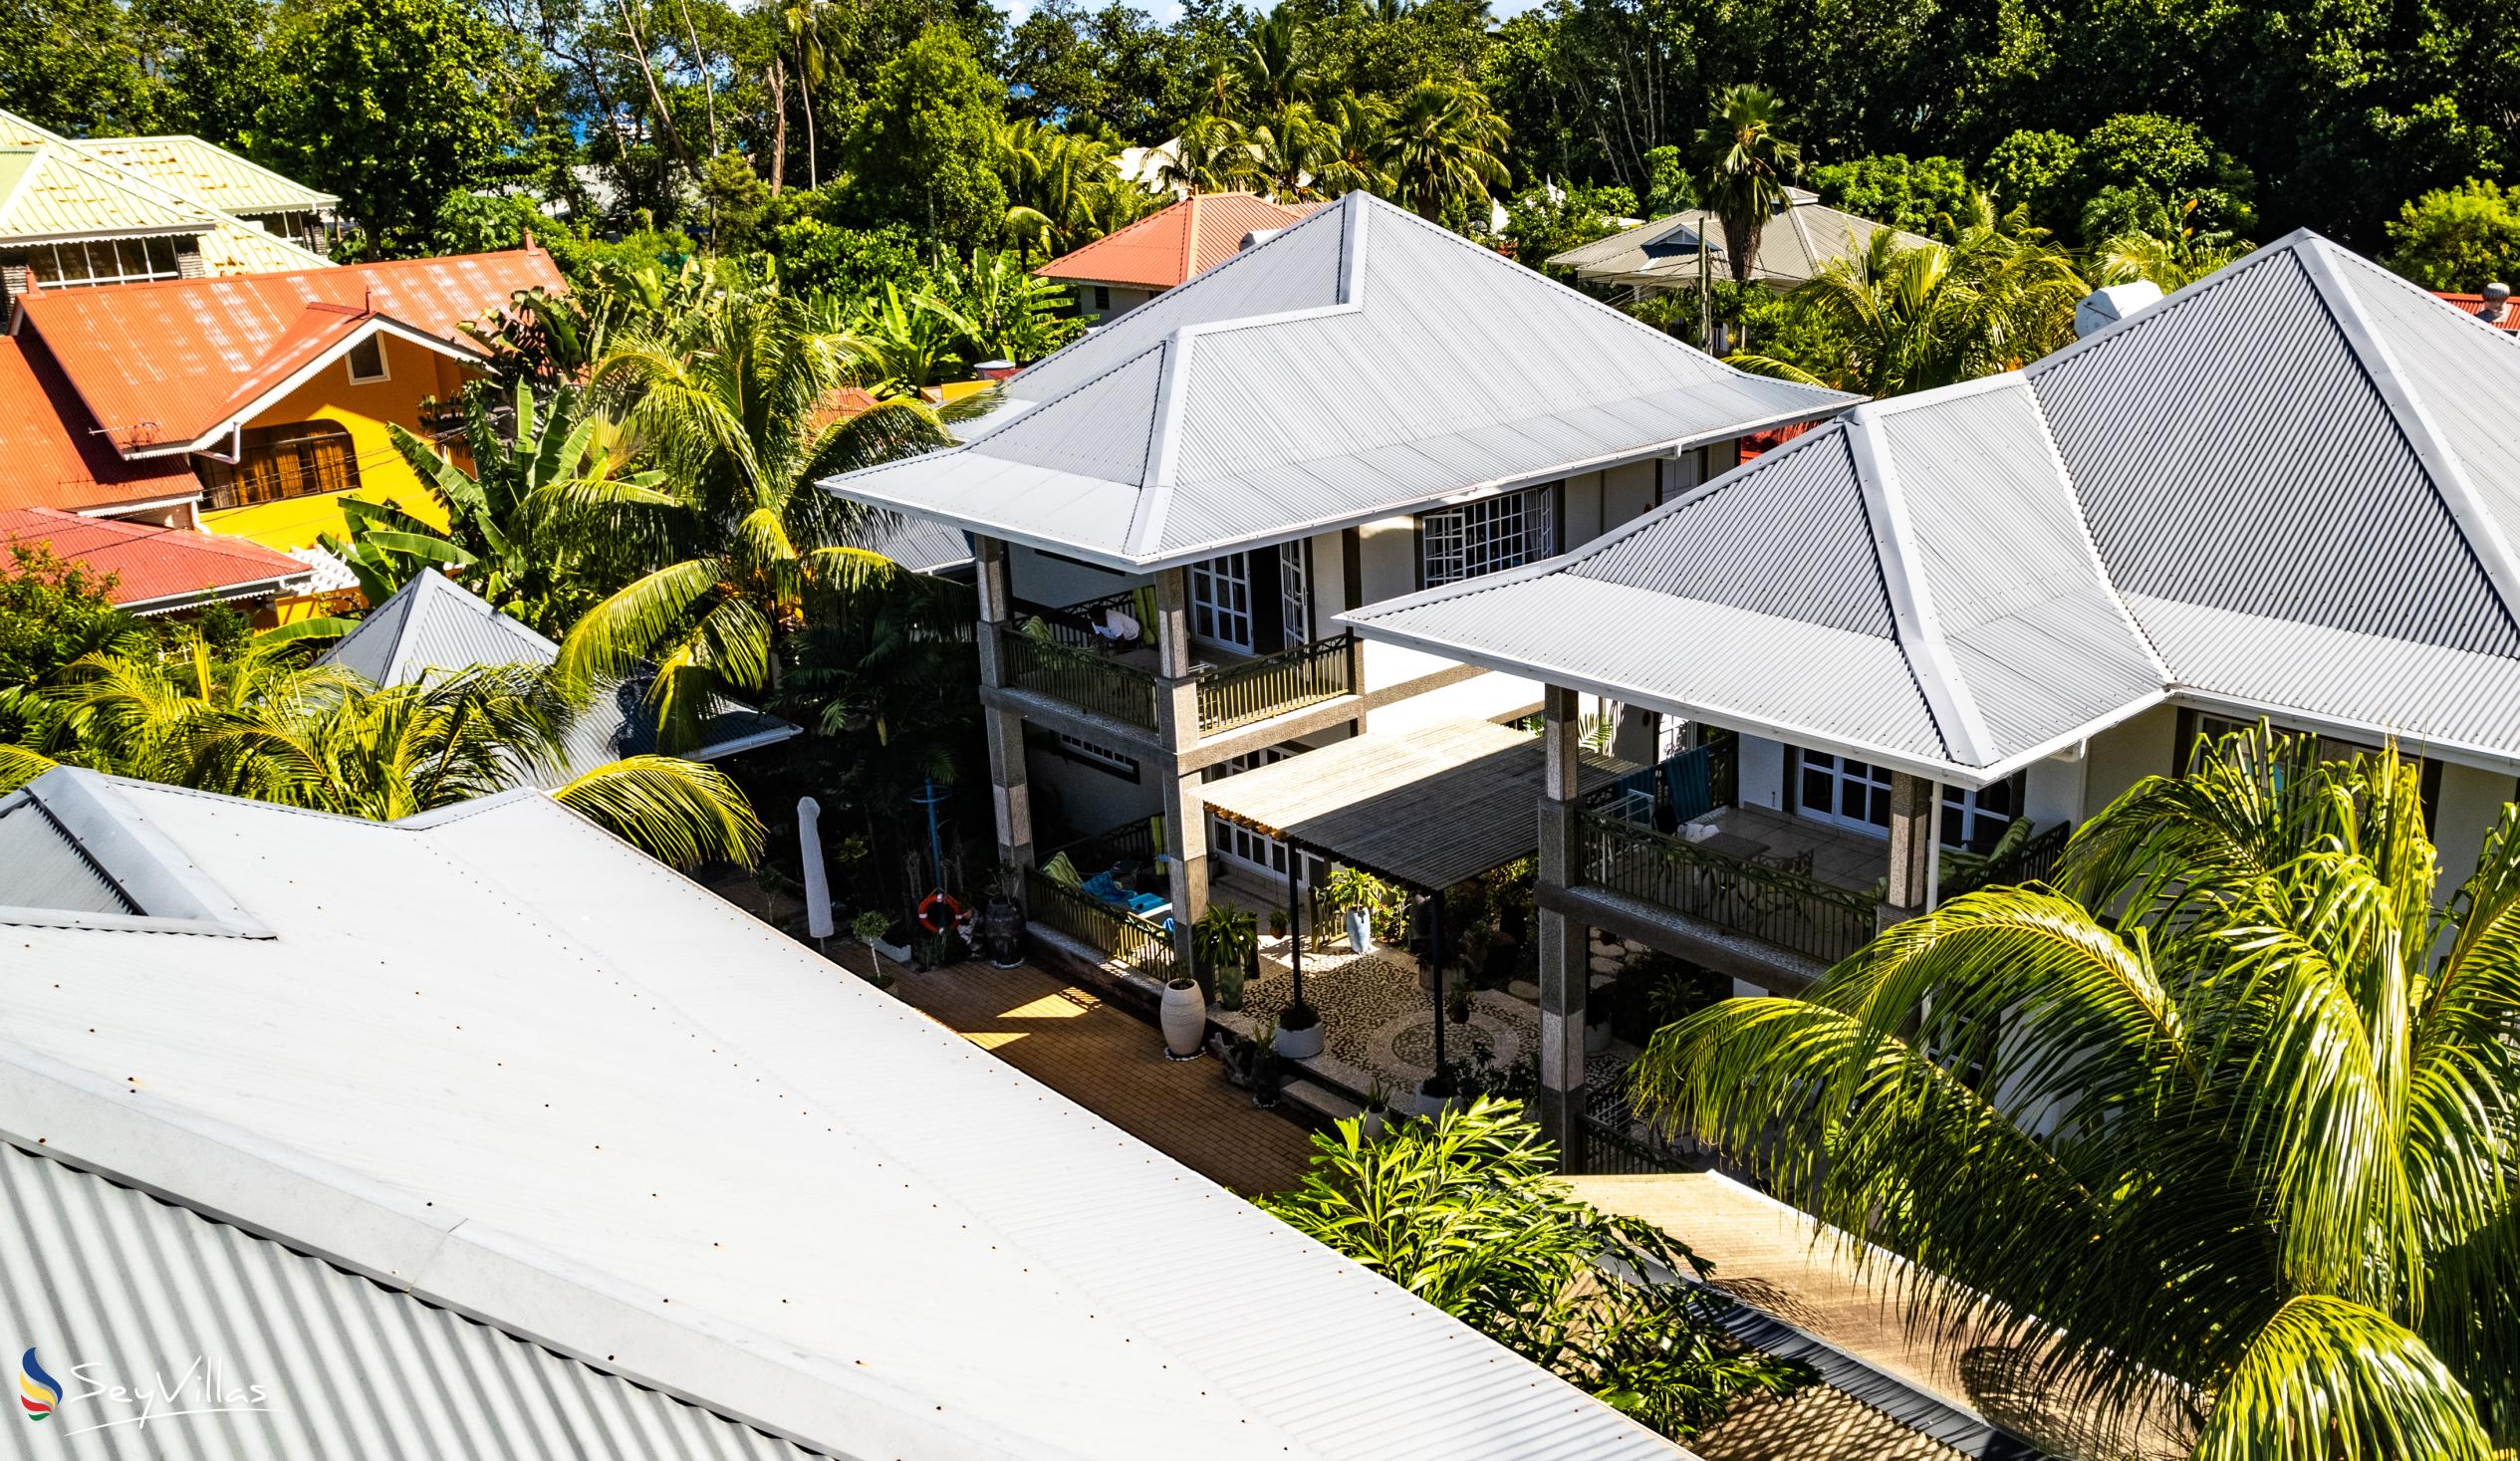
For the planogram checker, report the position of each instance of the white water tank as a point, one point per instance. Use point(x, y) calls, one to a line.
point(2102, 308)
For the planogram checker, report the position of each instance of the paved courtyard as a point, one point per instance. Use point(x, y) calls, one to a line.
point(1112, 1062)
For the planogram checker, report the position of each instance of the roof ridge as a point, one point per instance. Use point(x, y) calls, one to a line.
point(1911, 598)
point(2089, 540)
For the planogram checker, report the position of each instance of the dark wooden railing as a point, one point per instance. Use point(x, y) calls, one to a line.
point(1084, 678)
point(1792, 910)
point(1123, 937)
point(1133, 842)
point(2032, 862)
point(1272, 686)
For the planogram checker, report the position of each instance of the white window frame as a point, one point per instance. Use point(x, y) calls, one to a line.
point(1220, 602)
point(1244, 850)
point(349, 361)
point(125, 251)
point(1099, 756)
point(1963, 812)
point(1295, 595)
point(1487, 536)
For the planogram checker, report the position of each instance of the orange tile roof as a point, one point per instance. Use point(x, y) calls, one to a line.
point(51, 454)
point(152, 566)
point(164, 363)
point(2471, 303)
point(1163, 249)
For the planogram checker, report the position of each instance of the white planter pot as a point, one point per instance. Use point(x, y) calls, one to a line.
point(1597, 1038)
point(1370, 1125)
point(1184, 1020)
point(1435, 1106)
point(1360, 931)
point(1299, 1045)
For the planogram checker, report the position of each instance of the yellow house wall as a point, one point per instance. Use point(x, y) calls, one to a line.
point(413, 374)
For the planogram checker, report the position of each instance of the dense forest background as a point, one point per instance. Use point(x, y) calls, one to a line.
point(841, 130)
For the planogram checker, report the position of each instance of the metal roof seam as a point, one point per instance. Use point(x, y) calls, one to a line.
point(1911, 597)
point(2090, 544)
point(2459, 495)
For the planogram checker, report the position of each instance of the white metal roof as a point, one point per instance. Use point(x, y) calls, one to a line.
point(2283, 489)
point(1361, 364)
point(496, 1059)
point(1794, 248)
point(436, 624)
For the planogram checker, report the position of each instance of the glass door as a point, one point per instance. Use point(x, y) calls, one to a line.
point(1844, 793)
point(1295, 610)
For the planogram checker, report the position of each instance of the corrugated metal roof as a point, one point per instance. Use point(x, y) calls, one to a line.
point(436, 624)
point(211, 173)
point(227, 245)
point(2280, 488)
point(1170, 245)
point(50, 193)
point(51, 454)
point(586, 1101)
point(1362, 363)
point(45, 867)
point(130, 1288)
point(157, 568)
point(164, 362)
point(1797, 245)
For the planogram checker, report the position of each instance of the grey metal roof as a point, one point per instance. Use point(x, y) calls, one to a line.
point(580, 1100)
point(128, 1287)
point(1794, 247)
point(2282, 489)
point(917, 544)
point(1362, 364)
point(436, 624)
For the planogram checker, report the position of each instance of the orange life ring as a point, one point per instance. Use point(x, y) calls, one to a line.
point(927, 910)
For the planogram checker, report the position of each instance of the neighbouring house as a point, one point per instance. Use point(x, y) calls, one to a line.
point(1796, 247)
point(1169, 513)
point(481, 1134)
point(1121, 271)
point(1915, 646)
point(2494, 307)
point(251, 403)
point(159, 570)
point(434, 623)
point(75, 212)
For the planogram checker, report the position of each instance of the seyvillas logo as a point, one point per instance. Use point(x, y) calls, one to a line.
point(204, 1387)
point(39, 1392)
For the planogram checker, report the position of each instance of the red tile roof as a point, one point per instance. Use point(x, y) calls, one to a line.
point(165, 362)
point(49, 453)
point(1163, 249)
point(163, 568)
point(2471, 303)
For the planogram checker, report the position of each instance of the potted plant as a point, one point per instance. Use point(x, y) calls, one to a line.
point(1002, 919)
point(1264, 1064)
point(1376, 1119)
point(1457, 1001)
point(1361, 896)
point(1228, 943)
point(867, 928)
point(1276, 923)
point(1440, 1092)
point(1299, 1031)
point(1183, 1018)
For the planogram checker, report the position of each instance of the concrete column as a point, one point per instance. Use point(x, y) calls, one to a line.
point(1010, 788)
point(1351, 596)
point(1177, 723)
point(1911, 848)
point(1565, 967)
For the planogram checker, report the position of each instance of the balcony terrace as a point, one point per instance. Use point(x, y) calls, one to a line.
point(1056, 652)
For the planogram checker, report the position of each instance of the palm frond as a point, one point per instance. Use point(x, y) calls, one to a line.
point(680, 812)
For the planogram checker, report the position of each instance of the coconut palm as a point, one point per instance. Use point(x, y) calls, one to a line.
point(1347, 145)
point(493, 540)
point(263, 724)
point(735, 404)
point(802, 21)
point(1443, 148)
point(2170, 251)
point(1063, 191)
point(1896, 318)
point(1212, 154)
point(1748, 167)
point(1275, 61)
point(2228, 1112)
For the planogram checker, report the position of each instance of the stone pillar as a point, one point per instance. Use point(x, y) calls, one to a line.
point(1565, 967)
point(1911, 848)
point(1177, 723)
point(1351, 596)
point(1010, 792)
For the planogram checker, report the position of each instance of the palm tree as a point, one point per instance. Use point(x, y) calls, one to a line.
point(734, 403)
point(1898, 319)
point(1443, 148)
point(1212, 154)
point(1350, 140)
point(1748, 167)
point(1275, 61)
point(1063, 191)
point(2170, 251)
point(2228, 1112)
point(494, 539)
point(803, 20)
point(263, 724)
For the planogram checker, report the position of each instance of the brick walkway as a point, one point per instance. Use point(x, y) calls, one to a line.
point(1112, 1064)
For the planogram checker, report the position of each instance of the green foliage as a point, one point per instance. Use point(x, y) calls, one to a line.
point(1746, 166)
point(736, 202)
point(1444, 150)
point(393, 105)
point(51, 611)
point(1001, 310)
point(1670, 184)
point(2136, 168)
point(2458, 239)
point(2034, 171)
point(922, 150)
point(1890, 188)
point(75, 66)
point(2229, 1105)
point(1353, 887)
point(1461, 1211)
point(1544, 220)
point(816, 257)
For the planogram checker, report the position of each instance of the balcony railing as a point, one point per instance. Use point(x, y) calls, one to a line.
point(1121, 937)
point(1086, 678)
point(1259, 689)
point(2031, 863)
point(1791, 910)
